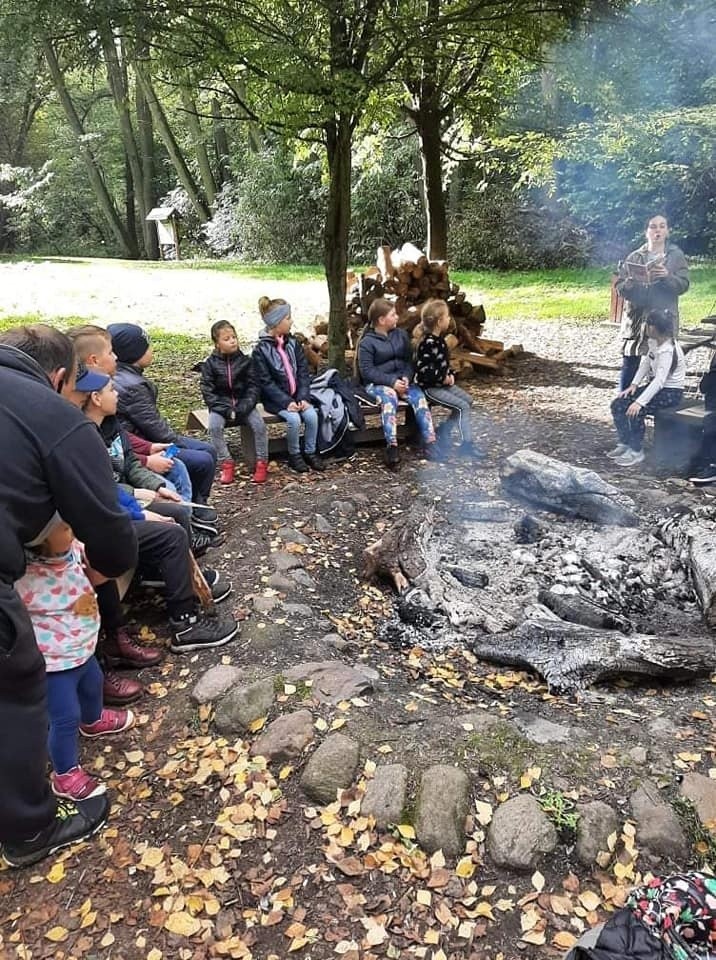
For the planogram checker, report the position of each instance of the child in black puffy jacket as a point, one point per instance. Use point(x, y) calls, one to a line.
point(230, 389)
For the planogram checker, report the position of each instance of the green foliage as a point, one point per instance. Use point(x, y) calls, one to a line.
point(560, 809)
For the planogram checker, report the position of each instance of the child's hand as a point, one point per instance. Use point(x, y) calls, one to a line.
point(158, 463)
point(158, 517)
point(449, 380)
point(158, 447)
point(401, 386)
point(658, 272)
point(628, 392)
point(164, 493)
point(304, 405)
point(633, 410)
point(293, 407)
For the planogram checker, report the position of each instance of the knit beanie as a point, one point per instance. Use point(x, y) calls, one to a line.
point(129, 341)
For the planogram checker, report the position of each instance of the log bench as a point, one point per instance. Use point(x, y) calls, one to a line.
point(677, 435)
point(373, 432)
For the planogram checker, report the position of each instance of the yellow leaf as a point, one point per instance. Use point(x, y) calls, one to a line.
point(484, 812)
point(424, 896)
point(431, 936)
point(155, 954)
point(465, 867)
point(321, 725)
point(564, 939)
point(537, 937)
point(57, 934)
point(285, 772)
point(57, 873)
point(562, 906)
point(385, 748)
point(107, 940)
point(437, 860)
point(484, 909)
point(376, 935)
point(538, 881)
point(182, 924)
point(405, 830)
point(257, 724)
point(589, 900)
point(88, 919)
point(297, 944)
point(338, 723)
point(152, 857)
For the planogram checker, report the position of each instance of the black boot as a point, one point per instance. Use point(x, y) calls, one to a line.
point(297, 463)
point(314, 462)
point(392, 457)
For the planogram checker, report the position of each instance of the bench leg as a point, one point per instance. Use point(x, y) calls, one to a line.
point(248, 450)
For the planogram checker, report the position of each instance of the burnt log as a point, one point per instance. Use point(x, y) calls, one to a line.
point(571, 657)
point(399, 555)
point(583, 610)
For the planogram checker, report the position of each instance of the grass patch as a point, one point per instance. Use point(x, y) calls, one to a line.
point(702, 840)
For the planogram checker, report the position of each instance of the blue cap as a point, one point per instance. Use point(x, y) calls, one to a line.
point(90, 380)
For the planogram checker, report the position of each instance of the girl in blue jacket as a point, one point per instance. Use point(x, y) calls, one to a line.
point(386, 371)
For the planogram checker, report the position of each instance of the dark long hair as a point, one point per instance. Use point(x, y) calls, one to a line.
point(664, 322)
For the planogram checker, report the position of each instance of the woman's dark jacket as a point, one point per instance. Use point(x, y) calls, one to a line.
point(662, 294)
point(137, 408)
point(272, 378)
point(384, 359)
point(229, 385)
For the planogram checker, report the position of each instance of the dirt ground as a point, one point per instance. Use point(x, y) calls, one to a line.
point(211, 853)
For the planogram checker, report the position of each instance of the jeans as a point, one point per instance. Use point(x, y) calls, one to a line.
point(178, 480)
point(26, 803)
point(389, 411)
point(630, 365)
point(164, 548)
point(458, 403)
point(217, 425)
point(631, 429)
point(200, 460)
point(73, 697)
point(293, 430)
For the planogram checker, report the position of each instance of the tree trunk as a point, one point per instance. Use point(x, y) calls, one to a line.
point(126, 241)
point(221, 143)
point(165, 132)
point(197, 136)
point(339, 136)
point(129, 198)
point(427, 122)
point(145, 148)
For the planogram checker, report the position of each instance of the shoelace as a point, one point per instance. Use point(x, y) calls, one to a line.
point(66, 809)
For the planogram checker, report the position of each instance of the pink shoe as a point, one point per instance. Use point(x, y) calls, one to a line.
point(110, 721)
point(76, 784)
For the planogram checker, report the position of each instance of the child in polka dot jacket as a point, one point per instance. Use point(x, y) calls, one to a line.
point(62, 605)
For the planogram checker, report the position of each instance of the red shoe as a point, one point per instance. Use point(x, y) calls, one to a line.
point(76, 784)
point(110, 721)
point(260, 472)
point(121, 649)
point(118, 690)
point(228, 472)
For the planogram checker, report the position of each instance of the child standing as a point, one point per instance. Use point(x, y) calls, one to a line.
point(433, 374)
point(665, 367)
point(61, 602)
point(285, 383)
point(230, 389)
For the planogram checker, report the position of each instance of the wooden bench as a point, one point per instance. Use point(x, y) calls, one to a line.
point(373, 432)
point(677, 435)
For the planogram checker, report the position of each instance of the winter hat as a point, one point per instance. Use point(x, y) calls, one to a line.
point(275, 315)
point(129, 341)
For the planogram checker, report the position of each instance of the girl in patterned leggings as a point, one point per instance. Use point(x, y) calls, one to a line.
point(386, 371)
point(665, 367)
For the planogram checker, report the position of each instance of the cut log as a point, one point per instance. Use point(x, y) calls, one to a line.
point(571, 658)
point(584, 611)
point(399, 555)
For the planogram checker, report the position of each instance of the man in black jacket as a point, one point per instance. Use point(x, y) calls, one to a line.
point(55, 462)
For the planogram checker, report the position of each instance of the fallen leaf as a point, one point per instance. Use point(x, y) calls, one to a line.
point(182, 924)
point(465, 867)
point(57, 934)
point(57, 873)
point(564, 939)
point(406, 830)
point(538, 881)
point(537, 937)
point(589, 900)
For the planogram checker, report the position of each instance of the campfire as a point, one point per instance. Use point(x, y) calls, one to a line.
point(584, 593)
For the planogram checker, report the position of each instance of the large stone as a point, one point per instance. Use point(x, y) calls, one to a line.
point(291, 535)
point(286, 737)
point(321, 525)
point(331, 768)
point(284, 561)
point(302, 578)
point(345, 508)
point(243, 704)
point(542, 731)
point(596, 822)
point(216, 682)
point(333, 680)
point(563, 488)
point(702, 793)
point(298, 610)
point(262, 604)
point(658, 828)
point(520, 834)
point(443, 802)
point(280, 581)
point(385, 794)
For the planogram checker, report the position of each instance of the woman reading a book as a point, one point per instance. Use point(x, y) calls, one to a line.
point(653, 277)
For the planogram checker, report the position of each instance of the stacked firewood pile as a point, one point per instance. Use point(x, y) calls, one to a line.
point(407, 277)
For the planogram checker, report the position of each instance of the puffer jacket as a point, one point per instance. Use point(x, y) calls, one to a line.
point(642, 297)
point(229, 385)
point(125, 464)
point(384, 359)
point(273, 382)
point(623, 937)
point(137, 408)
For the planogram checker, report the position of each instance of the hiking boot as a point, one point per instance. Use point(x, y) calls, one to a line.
point(471, 451)
point(432, 451)
point(618, 451)
point(198, 631)
point(314, 462)
point(228, 472)
point(705, 477)
point(220, 589)
point(117, 691)
point(392, 457)
point(297, 463)
point(260, 474)
point(76, 784)
point(121, 649)
point(110, 721)
point(202, 515)
point(72, 823)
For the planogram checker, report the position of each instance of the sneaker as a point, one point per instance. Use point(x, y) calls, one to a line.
point(260, 474)
point(314, 462)
point(200, 515)
point(297, 463)
point(228, 472)
point(72, 823)
point(220, 589)
point(110, 721)
point(704, 477)
point(618, 451)
point(121, 649)
point(76, 784)
point(117, 691)
point(392, 457)
point(203, 541)
point(432, 451)
point(198, 631)
point(471, 451)
point(630, 459)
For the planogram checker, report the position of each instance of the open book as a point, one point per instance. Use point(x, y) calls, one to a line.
point(640, 271)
